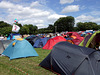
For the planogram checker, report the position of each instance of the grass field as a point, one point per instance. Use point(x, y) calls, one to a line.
point(24, 66)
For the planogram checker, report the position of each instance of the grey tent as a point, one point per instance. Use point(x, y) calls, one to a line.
point(70, 59)
point(1, 47)
point(4, 44)
point(32, 39)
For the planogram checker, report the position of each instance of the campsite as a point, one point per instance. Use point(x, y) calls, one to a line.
point(56, 53)
point(53, 55)
point(49, 37)
point(60, 53)
point(25, 66)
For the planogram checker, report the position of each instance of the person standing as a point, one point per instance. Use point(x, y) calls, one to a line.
point(11, 36)
point(1, 37)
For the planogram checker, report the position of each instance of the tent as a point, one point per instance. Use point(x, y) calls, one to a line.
point(4, 44)
point(76, 37)
point(19, 48)
point(32, 39)
point(13, 36)
point(1, 47)
point(91, 40)
point(69, 59)
point(73, 34)
point(70, 41)
point(40, 42)
point(51, 42)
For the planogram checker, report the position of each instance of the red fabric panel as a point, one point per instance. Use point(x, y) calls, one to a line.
point(51, 42)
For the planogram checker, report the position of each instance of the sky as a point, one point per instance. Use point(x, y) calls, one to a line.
point(44, 12)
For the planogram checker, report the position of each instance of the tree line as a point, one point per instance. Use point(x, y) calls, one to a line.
point(62, 24)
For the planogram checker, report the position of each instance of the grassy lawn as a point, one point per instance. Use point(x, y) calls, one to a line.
point(24, 66)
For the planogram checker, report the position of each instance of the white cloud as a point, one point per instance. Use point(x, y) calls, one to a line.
point(66, 1)
point(97, 20)
point(43, 2)
point(95, 13)
point(13, 0)
point(35, 4)
point(42, 13)
point(6, 5)
point(41, 26)
point(71, 8)
point(52, 18)
point(32, 21)
point(1, 19)
point(77, 0)
point(27, 14)
point(84, 18)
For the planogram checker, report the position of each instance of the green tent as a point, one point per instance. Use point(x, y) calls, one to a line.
point(91, 40)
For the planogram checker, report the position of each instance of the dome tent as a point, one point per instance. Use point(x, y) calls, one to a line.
point(91, 40)
point(1, 47)
point(51, 42)
point(69, 59)
point(40, 42)
point(4, 44)
point(32, 39)
point(19, 48)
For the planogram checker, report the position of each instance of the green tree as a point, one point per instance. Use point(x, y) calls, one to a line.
point(19, 24)
point(87, 26)
point(30, 26)
point(28, 29)
point(5, 30)
point(24, 30)
point(51, 28)
point(4, 24)
point(65, 24)
point(32, 29)
point(98, 27)
point(44, 30)
point(35, 28)
point(75, 29)
point(81, 26)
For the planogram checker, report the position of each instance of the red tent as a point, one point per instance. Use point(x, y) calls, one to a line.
point(78, 38)
point(74, 34)
point(51, 42)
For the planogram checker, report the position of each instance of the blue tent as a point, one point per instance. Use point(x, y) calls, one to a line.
point(12, 36)
point(40, 42)
point(9, 37)
point(19, 49)
point(32, 39)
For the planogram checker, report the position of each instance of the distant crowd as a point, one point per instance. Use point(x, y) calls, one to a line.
point(3, 37)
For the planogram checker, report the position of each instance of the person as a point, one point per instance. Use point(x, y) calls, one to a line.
point(65, 36)
point(50, 36)
point(22, 36)
point(5, 38)
point(97, 46)
point(11, 36)
point(1, 37)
